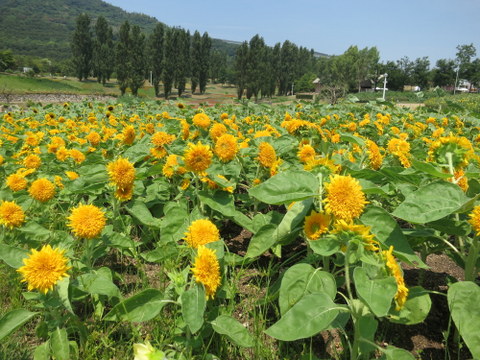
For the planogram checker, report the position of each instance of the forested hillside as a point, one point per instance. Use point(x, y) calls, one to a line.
point(44, 28)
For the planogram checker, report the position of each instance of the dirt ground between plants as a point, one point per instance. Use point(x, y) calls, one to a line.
point(427, 340)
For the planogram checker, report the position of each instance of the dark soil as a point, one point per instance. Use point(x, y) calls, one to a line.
point(428, 340)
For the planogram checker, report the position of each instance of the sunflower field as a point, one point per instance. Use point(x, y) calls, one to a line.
point(249, 231)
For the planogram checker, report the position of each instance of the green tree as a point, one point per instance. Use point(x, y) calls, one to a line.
point(171, 52)
point(182, 63)
point(195, 59)
point(103, 57)
point(82, 47)
point(137, 60)
point(218, 66)
point(7, 61)
point(255, 66)
point(287, 71)
point(123, 65)
point(156, 54)
point(465, 53)
point(444, 73)
point(366, 65)
point(241, 61)
point(421, 72)
point(204, 62)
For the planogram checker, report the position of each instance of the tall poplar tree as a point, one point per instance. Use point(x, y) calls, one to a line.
point(195, 59)
point(241, 61)
point(156, 53)
point(82, 47)
point(170, 59)
point(182, 39)
point(137, 60)
point(103, 56)
point(204, 62)
point(122, 57)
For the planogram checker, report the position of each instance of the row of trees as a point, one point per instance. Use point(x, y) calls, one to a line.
point(262, 70)
point(172, 57)
point(168, 55)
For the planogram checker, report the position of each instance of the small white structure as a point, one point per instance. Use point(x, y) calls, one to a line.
point(27, 69)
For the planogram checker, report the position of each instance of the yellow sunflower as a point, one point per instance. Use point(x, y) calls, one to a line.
point(11, 214)
point(43, 269)
point(76, 155)
point(161, 138)
point(124, 194)
point(364, 231)
point(201, 120)
point(206, 270)
point(16, 182)
point(128, 135)
point(197, 157)
point(72, 175)
point(266, 154)
point(345, 198)
point(94, 138)
point(121, 173)
point(306, 153)
point(226, 147)
point(32, 161)
point(475, 219)
point(42, 190)
point(87, 221)
point(201, 232)
point(217, 130)
point(316, 224)
point(168, 169)
point(395, 270)
point(374, 155)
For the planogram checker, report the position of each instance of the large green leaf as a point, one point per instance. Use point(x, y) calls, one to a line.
point(376, 293)
point(325, 246)
point(286, 187)
point(463, 300)
point(263, 240)
point(60, 345)
point(42, 352)
point(12, 320)
point(220, 201)
point(12, 256)
point(99, 282)
point(431, 202)
point(35, 231)
point(193, 307)
point(271, 234)
point(175, 222)
point(161, 253)
point(430, 169)
point(229, 326)
point(223, 202)
point(415, 309)
point(138, 151)
point(140, 307)
point(139, 211)
point(394, 353)
point(302, 279)
point(389, 233)
point(312, 314)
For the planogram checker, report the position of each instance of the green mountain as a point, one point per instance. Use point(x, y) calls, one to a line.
point(44, 28)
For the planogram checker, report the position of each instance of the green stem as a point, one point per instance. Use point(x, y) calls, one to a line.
point(347, 273)
point(470, 264)
point(356, 338)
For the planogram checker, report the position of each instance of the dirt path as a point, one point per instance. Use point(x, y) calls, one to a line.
point(16, 99)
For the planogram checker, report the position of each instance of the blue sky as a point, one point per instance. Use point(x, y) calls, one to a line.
point(413, 28)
